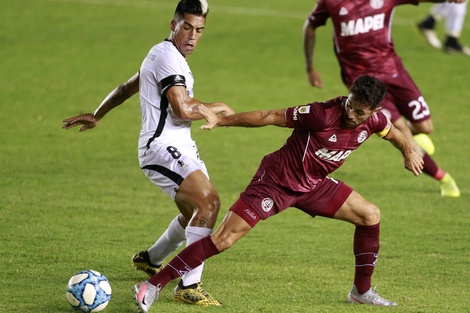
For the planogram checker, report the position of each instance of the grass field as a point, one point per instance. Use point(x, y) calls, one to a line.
point(71, 201)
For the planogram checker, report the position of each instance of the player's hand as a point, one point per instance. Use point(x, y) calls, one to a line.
point(414, 163)
point(211, 118)
point(88, 120)
point(314, 79)
point(227, 111)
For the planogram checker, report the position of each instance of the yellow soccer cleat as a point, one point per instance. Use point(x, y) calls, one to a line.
point(449, 187)
point(196, 295)
point(425, 142)
point(141, 262)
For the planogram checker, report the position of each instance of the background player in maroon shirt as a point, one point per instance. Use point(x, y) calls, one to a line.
point(363, 45)
point(324, 135)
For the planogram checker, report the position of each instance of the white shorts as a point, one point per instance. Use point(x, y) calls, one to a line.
point(168, 164)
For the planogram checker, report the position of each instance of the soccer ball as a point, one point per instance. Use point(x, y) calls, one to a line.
point(88, 291)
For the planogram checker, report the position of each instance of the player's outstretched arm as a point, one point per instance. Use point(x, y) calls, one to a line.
point(250, 119)
point(413, 161)
point(112, 100)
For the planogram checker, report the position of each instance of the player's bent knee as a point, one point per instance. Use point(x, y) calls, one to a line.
point(206, 211)
point(211, 205)
point(371, 215)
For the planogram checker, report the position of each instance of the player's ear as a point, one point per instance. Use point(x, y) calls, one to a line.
point(173, 25)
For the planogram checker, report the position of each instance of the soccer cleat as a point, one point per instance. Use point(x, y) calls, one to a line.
point(430, 36)
point(369, 297)
point(194, 294)
point(449, 187)
point(456, 48)
point(425, 142)
point(141, 262)
point(145, 295)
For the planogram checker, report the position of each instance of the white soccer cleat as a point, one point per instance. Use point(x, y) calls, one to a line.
point(430, 36)
point(369, 297)
point(145, 295)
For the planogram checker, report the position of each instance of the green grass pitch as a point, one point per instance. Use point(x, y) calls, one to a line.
point(71, 201)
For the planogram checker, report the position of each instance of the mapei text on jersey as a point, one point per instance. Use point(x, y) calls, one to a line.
point(363, 25)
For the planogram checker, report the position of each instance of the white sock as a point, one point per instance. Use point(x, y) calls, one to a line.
point(193, 234)
point(169, 241)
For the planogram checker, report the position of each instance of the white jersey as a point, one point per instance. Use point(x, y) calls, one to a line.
point(167, 153)
point(163, 68)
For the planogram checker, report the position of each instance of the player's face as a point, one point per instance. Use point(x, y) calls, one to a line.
point(185, 33)
point(354, 113)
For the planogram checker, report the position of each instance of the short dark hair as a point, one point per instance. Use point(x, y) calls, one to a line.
point(368, 90)
point(196, 7)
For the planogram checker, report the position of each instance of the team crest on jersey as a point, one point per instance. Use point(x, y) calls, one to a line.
point(376, 4)
point(362, 136)
point(267, 204)
point(343, 11)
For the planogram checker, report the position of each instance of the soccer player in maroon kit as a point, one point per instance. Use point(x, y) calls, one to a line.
point(363, 45)
point(324, 135)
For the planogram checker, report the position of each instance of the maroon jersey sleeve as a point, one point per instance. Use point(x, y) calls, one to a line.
point(307, 117)
point(380, 124)
point(319, 15)
point(315, 116)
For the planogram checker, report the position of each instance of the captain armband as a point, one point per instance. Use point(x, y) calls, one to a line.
point(386, 130)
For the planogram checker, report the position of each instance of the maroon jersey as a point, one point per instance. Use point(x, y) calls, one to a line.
point(318, 145)
point(362, 34)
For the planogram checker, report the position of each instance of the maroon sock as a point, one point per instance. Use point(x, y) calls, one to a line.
point(366, 248)
point(430, 167)
point(190, 257)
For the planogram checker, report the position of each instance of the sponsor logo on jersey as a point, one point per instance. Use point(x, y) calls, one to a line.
point(295, 114)
point(333, 155)
point(250, 214)
point(267, 204)
point(332, 138)
point(363, 25)
point(362, 136)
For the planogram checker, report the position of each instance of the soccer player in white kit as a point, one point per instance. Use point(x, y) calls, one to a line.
point(167, 154)
point(454, 15)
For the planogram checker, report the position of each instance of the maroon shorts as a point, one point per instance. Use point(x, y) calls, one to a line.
point(403, 98)
point(261, 200)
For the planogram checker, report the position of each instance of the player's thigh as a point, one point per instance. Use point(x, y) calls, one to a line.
point(196, 190)
point(358, 211)
point(405, 95)
point(198, 200)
